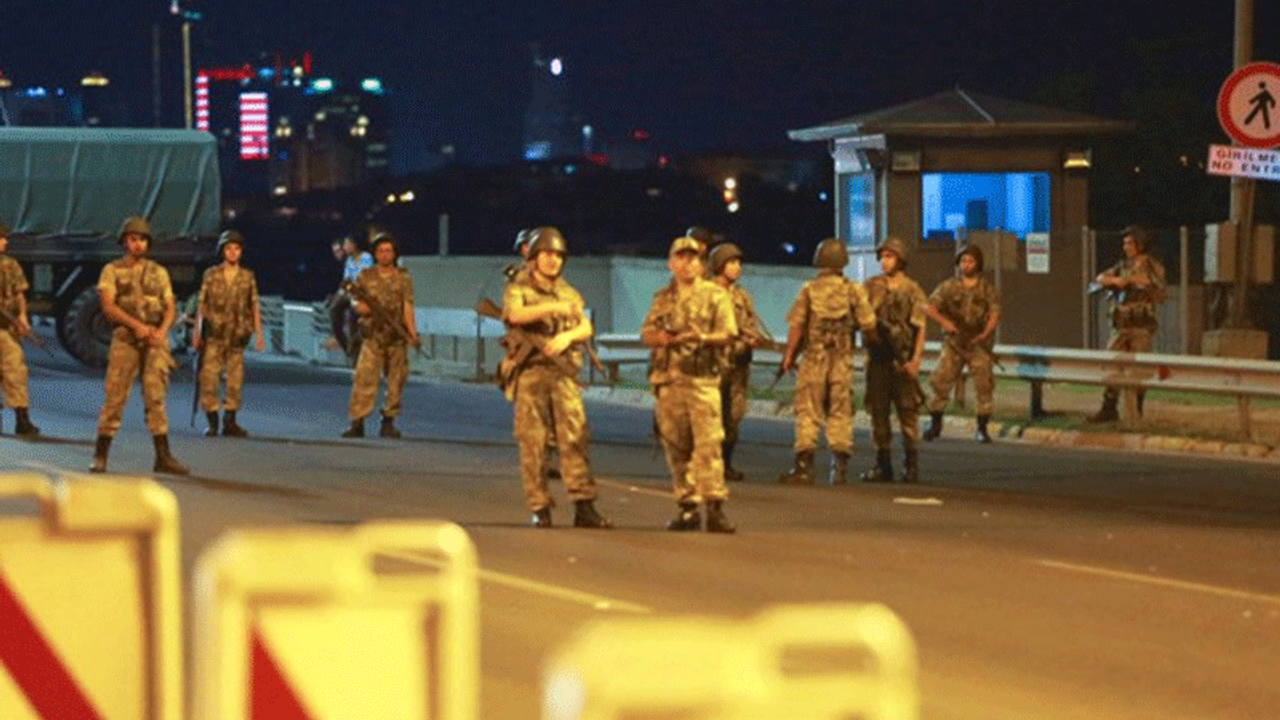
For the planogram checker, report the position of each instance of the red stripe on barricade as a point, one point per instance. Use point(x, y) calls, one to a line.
point(36, 668)
point(270, 697)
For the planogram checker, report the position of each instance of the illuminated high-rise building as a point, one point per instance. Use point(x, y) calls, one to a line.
point(551, 128)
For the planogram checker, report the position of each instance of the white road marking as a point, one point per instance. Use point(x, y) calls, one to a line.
point(1163, 582)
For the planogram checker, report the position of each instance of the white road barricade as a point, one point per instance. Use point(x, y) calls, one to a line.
point(375, 621)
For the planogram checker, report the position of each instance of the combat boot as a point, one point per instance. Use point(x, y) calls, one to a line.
point(731, 474)
point(981, 434)
point(883, 469)
point(388, 429)
point(165, 462)
point(839, 468)
point(688, 519)
point(23, 426)
point(935, 427)
point(716, 521)
point(229, 426)
point(212, 419)
point(100, 454)
point(1107, 413)
point(542, 517)
point(802, 473)
point(356, 430)
point(585, 515)
point(911, 467)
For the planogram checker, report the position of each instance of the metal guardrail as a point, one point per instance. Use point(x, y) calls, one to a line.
point(1037, 365)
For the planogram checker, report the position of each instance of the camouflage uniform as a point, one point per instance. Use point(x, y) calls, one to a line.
point(970, 308)
point(686, 379)
point(899, 316)
point(548, 400)
point(1133, 310)
point(13, 363)
point(227, 307)
point(143, 291)
point(737, 377)
point(829, 308)
point(383, 352)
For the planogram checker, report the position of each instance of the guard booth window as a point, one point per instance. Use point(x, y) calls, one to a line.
point(859, 209)
point(953, 203)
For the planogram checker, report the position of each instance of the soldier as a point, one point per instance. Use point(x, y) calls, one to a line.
point(725, 262)
point(383, 298)
point(228, 315)
point(893, 360)
point(822, 320)
point(544, 357)
point(688, 327)
point(138, 300)
point(1137, 287)
point(14, 324)
point(706, 238)
point(968, 310)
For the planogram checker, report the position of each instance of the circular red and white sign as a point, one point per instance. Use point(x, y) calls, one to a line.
point(1249, 105)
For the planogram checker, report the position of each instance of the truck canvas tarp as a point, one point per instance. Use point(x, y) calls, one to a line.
point(64, 193)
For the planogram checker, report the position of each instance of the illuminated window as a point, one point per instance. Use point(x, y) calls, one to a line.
point(953, 203)
point(860, 209)
point(253, 126)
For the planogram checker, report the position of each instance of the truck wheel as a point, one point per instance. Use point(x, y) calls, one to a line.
point(84, 330)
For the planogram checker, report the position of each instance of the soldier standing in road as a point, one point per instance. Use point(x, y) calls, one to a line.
point(1137, 287)
point(228, 315)
point(14, 324)
point(725, 262)
point(383, 298)
point(548, 324)
point(893, 361)
point(138, 300)
point(688, 327)
point(822, 320)
point(968, 310)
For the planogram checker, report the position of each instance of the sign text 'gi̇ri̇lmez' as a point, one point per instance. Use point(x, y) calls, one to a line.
point(1243, 162)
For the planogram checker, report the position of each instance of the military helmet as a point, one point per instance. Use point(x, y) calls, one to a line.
point(720, 256)
point(831, 253)
point(973, 250)
point(522, 237)
point(4, 230)
point(547, 239)
point(897, 247)
point(230, 236)
point(703, 235)
point(134, 225)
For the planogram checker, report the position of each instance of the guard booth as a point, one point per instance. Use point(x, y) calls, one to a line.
point(959, 167)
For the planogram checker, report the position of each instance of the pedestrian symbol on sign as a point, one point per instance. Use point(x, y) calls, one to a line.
point(1262, 103)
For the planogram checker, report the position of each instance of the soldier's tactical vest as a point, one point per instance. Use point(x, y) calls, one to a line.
point(831, 317)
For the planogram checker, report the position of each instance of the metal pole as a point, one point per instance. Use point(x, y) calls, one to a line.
point(186, 75)
point(998, 235)
point(155, 76)
point(1184, 301)
point(1242, 188)
point(1086, 331)
point(444, 234)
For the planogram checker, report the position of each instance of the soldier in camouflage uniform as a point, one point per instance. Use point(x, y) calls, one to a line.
point(826, 312)
point(228, 314)
point(688, 327)
point(968, 310)
point(893, 361)
point(14, 324)
point(388, 328)
point(548, 325)
point(725, 260)
point(1137, 287)
point(138, 300)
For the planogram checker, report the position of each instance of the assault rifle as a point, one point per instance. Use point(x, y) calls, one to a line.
point(12, 322)
point(521, 347)
point(384, 316)
point(488, 308)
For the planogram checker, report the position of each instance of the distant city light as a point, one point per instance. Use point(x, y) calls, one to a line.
point(407, 196)
point(266, 73)
point(734, 206)
point(537, 151)
point(730, 183)
point(253, 126)
point(557, 66)
point(5, 82)
point(371, 85)
point(94, 79)
point(788, 248)
point(280, 190)
point(322, 85)
point(391, 197)
point(823, 196)
point(35, 92)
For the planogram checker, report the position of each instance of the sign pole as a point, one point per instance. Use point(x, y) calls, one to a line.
point(1242, 188)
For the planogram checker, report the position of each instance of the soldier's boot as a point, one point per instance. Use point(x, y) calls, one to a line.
point(716, 520)
point(687, 519)
point(981, 434)
point(883, 469)
point(911, 466)
point(165, 462)
point(212, 418)
point(23, 426)
point(229, 426)
point(100, 454)
point(731, 473)
point(935, 427)
point(542, 517)
point(802, 472)
point(356, 430)
point(585, 515)
point(839, 468)
point(1107, 413)
point(388, 429)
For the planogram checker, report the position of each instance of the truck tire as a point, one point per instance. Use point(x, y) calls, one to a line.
point(84, 330)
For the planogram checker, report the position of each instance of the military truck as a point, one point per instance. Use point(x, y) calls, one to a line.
point(64, 193)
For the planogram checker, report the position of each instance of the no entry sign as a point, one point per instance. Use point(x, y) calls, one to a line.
point(1248, 108)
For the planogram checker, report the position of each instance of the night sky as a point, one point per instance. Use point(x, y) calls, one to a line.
point(722, 74)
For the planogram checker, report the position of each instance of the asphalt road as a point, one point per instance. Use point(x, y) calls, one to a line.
point(1037, 582)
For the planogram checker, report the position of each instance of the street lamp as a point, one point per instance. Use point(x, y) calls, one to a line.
point(188, 17)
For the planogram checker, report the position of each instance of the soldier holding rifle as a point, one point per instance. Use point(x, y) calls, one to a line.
point(228, 315)
point(14, 325)
point(725, 262)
